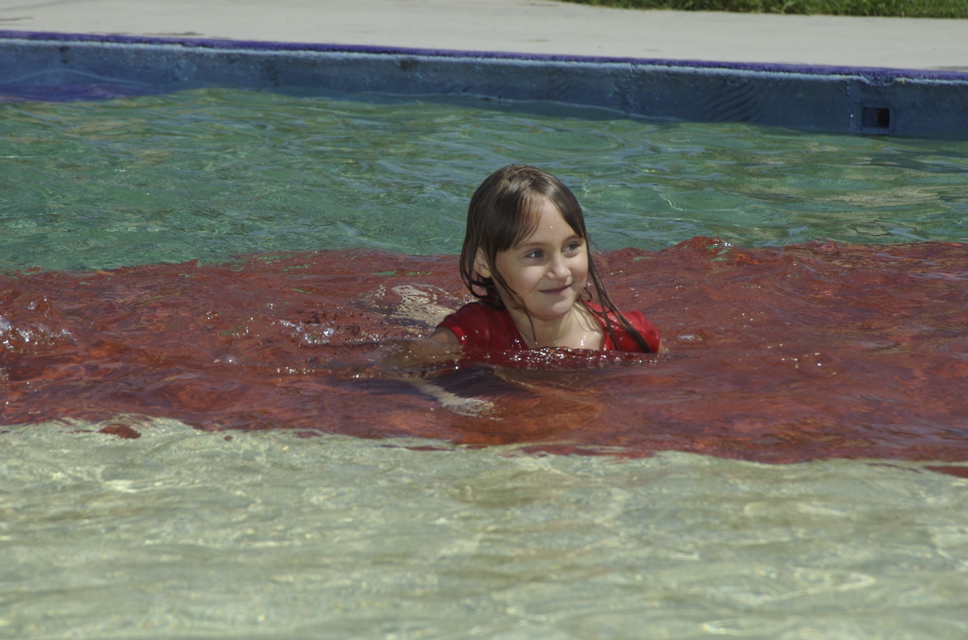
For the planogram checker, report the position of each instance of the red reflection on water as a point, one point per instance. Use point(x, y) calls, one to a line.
point(777, 355)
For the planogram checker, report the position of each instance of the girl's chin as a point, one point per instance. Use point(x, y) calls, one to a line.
point(553, 311)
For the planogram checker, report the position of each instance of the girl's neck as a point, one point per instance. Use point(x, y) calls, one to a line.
point(577, 329)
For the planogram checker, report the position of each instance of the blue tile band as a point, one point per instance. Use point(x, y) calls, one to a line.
point(909, 103)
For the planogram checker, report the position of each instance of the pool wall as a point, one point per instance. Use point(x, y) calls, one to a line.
point(908, 103)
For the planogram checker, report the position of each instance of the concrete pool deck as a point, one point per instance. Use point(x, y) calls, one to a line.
point(885, 76)
point(518, 26)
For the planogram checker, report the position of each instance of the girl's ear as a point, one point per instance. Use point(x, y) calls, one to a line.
point(480, 265)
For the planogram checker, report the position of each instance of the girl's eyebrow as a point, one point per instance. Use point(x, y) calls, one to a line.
point(535, 243)
point(531, 245)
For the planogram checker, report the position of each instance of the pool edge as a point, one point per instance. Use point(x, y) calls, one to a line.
point(856, 100)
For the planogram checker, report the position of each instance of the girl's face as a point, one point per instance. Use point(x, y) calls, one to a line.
point(547, 270)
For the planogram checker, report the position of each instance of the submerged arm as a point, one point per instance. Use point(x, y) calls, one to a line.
point(411, 361)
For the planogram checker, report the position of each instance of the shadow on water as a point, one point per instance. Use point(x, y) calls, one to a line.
point(777, 355)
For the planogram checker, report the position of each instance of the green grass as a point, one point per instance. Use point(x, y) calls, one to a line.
point(889, 8)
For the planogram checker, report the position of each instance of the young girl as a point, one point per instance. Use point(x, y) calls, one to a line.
point(525, 257)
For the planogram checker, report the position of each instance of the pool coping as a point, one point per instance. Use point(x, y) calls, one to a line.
point(835, 99)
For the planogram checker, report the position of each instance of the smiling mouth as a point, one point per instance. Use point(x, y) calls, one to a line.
point(558, 291)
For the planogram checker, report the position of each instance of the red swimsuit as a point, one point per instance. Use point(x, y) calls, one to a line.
point(481, 325)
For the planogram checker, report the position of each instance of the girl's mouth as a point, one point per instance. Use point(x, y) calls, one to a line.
point(556, 292)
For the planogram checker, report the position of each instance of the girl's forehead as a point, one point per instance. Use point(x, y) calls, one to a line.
point(547, 224)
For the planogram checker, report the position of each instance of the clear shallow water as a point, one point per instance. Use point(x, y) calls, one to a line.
point(164, 530)
point(189, 534)
point(217, 172)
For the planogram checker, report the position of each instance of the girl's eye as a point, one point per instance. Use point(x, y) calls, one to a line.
point(573, 246)
point(534, 254)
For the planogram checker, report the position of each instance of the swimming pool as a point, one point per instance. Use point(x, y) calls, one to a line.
point(265, 479)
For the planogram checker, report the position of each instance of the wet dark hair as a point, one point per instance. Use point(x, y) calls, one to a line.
point(503, 212)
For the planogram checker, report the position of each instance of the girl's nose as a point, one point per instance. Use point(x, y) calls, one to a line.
point(558, 268)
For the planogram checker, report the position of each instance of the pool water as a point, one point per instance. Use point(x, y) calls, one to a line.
point(199, 294)
point(183, 533)
point(213, 173)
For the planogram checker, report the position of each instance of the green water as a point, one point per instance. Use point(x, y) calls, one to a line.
point(187, 534)
point(217, 172)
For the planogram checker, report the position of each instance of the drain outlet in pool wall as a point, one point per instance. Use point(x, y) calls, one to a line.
point(878, 118)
